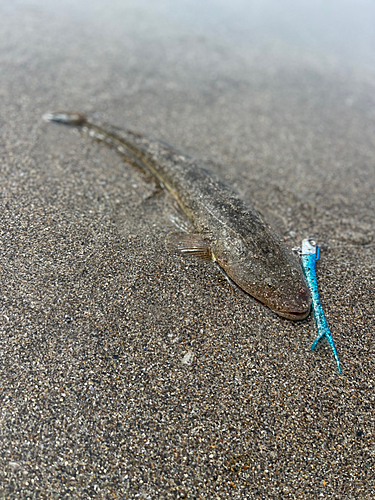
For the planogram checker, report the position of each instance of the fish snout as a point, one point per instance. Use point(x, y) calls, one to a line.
point(297, 306)
point(291, 301)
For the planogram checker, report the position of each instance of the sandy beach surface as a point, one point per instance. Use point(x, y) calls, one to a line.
point(130, 372)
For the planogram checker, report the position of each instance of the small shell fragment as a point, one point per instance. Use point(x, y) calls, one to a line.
point(188, 358)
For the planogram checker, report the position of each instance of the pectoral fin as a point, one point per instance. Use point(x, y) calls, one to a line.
point(189, 244)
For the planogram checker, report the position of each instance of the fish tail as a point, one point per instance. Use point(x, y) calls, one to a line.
point(66, 118)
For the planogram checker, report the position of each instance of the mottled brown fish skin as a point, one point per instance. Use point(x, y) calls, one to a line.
point(240, 241)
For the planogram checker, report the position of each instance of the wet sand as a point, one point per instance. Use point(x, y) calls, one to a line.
point(130, 372)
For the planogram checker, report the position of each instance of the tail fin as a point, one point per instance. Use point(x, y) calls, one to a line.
point(66, 118)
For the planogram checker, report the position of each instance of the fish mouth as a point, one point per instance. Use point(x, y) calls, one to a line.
point(294, 315)
point(301, 310)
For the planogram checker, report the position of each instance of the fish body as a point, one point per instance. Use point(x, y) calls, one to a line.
point(227, 230)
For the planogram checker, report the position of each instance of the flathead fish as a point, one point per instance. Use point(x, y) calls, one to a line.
point(227, 230)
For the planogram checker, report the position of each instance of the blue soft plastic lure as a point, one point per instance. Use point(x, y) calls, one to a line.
point(309, 255)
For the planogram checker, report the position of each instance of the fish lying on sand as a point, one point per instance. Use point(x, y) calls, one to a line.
point(226, 229)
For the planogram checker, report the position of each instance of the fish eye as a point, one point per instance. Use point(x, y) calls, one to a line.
point(269, 282)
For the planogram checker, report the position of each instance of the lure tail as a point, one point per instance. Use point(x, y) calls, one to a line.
point(66, 118)
point(309, 256)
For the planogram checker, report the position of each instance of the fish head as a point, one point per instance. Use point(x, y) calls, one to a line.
point(265, 268)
